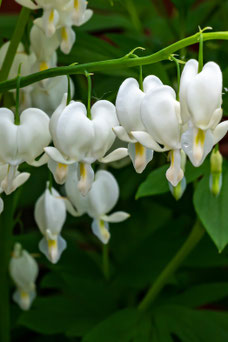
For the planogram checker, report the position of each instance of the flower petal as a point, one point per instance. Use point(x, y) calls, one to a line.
point(128, 103)
point(115, 155)
point(42, 161)
point(71, 186)
point(85, 177)
point(33, 134)
point(160, 114)
point(146, 140)
point(140, 156)
point(122, 134)
point(189, 72)
point(204, 94)
point(175, 174)
point(55, 155)
point(53, 249)
point(103, 194)
point(197, 144)
point(220, 131)
point(28, 3)
point(151, 82)
point(118, 216)
point(101, 230)
point(68, 38)
point(104, 119)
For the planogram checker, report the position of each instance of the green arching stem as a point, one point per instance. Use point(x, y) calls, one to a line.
point(123, 62)
point(200, 66)
point(178, 75)
point(15, 40)
point(105, 261)
point(192, 240)
point(88, 75)
point(68, 90)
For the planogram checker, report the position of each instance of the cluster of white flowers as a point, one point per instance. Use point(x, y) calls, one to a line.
point(153, 119)
point(149, 120)
point(48, 33)
point(58, 18)
point(148, 117)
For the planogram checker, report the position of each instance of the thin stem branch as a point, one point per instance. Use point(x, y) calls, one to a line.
point(123, 62)
point(200, 67)
point(178, 75)
point(105, 260)
point(192, 240)
point(88, 75)
point(15, 40)
point(68, 90)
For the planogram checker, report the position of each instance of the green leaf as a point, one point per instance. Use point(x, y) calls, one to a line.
point(156, 183)
point(212, 210)
point(49, 315)
point(202, 294)
point(191, 325)
point(119, 327)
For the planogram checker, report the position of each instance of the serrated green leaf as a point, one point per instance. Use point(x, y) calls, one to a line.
point(202, 294)
point(118, 327)
point(192, 325)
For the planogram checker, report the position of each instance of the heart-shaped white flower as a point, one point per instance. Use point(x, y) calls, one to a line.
point(23, 142)
point(102, 197)
point(79, 139)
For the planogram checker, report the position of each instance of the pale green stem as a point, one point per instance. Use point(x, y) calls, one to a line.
point(88, 75)
point(68, 90)
point(105, 260)
point(17, 114)
point(192, 240)
point(140, 77)
point(178, 75)
point(123, 62)
point(200, 66)
point(15, 40)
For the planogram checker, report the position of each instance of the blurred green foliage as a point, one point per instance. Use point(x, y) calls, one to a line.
point(75, 302)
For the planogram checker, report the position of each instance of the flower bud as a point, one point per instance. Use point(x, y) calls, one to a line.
point(23, 270)
point(215, 181)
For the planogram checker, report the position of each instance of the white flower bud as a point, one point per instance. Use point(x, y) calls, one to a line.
point(23, 270)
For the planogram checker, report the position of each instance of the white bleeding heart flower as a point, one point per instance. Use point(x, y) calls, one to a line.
point(59, 17)
point(11, 176)
point(201, 99)
point(21, 58)
point(44, 49)
point(79, 139)
point(160, 114)
point(99, 201)
point(24, 271)
point(80, 12)
point(22, 143)
point(128, 105)
point(50, 215)
point(47, 95)
point(25, 62)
